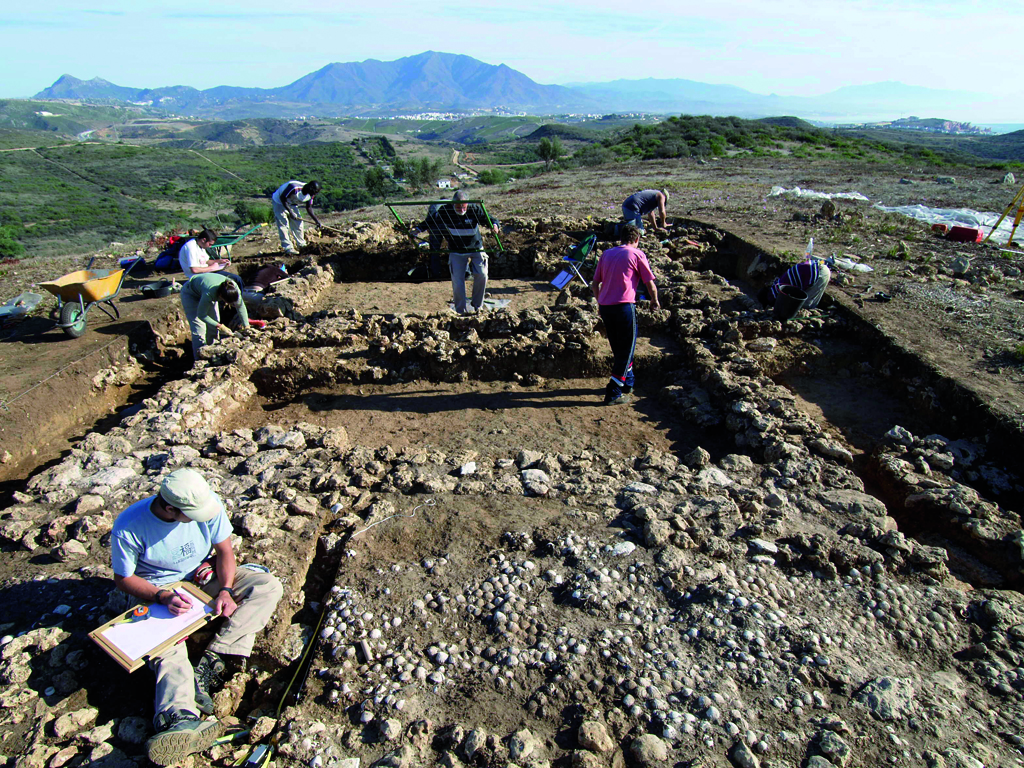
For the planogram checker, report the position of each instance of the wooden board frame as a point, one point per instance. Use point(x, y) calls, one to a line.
point(132, 664)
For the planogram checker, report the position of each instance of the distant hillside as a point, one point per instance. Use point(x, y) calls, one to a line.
point(565, 132)
point(1006, 147)
point(239, 133)
point(705, 136)
point(62, 118)
point(788, 122)
point(433, 81)
point(427, 81)
point(62, 199)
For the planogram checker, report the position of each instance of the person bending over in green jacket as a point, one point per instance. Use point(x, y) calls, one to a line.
point(199, 299)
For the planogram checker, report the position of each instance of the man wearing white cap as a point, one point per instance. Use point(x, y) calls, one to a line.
point(167, 538)
point(647, 202)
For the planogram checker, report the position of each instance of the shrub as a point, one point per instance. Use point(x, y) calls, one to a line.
point(249, 212)
point(9, 245)
point(492, 176)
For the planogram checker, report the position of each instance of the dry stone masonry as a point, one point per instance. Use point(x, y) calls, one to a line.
point(783, 600)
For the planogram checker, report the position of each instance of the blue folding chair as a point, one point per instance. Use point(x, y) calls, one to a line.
point(580, 256)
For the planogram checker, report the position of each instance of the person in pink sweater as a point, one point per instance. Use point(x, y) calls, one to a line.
point(619, 273)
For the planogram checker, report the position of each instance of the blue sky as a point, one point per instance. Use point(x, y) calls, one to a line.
point(769, 46)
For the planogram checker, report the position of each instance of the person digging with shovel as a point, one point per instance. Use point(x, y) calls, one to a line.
point(285, 202)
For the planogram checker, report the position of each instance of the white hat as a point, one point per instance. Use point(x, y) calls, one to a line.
point(187, 490)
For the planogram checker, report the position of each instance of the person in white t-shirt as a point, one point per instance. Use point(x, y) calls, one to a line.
point(195, 260)
point(287, 215)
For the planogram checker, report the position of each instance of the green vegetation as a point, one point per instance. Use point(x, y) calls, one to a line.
point(703, 136)
point(9, 247)
point(250, 212)
point(493, 176)
point(549, 150)
point(419, 172)
point(83, 196)
point(567, 132)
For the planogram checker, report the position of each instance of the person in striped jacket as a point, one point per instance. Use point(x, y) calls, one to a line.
point(459, 222)
point(810, 276)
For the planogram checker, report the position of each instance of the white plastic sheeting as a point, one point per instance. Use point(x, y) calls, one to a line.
point(810, 193)
point(961, 217)
point(851, 265)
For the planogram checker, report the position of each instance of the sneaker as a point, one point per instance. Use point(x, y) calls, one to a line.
point(209, 674)
point(619, 400)
point(181, 734)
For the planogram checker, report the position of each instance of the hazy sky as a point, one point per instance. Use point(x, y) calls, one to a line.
point(789, 47)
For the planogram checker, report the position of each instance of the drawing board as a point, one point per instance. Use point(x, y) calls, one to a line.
point(132, 642)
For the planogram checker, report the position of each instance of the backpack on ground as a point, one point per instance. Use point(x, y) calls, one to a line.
point(167, 260)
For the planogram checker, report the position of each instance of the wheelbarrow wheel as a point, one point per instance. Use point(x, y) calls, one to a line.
point(72, 319)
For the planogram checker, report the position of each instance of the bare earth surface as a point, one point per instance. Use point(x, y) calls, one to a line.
point(740, 567)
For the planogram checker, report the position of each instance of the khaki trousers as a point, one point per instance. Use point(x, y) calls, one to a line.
point(258, 594)
point(289, 230)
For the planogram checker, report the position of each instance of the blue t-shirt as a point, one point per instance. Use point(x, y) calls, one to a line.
point(142, 544)
point(642, 203)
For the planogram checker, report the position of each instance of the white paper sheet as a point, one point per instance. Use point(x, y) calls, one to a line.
point(137, 638)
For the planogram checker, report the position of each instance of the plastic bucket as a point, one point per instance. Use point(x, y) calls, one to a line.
point(788, 302)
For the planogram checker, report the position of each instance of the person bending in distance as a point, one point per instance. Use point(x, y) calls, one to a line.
point(285, 202)
point(811, 276)
point(647, 202)
point(199, 300)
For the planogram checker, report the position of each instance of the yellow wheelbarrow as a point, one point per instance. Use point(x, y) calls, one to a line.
point(80, 291)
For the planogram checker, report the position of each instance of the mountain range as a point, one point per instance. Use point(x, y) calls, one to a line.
point(433, 81)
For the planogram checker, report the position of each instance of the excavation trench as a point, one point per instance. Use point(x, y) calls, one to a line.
point(506, 548)
point(91, 395)
point(444, 414)
point(857, 382)
point(410, 380)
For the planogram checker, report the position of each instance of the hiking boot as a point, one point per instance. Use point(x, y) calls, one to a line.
point(204, 702)
point(181, 734)
point(209, 674)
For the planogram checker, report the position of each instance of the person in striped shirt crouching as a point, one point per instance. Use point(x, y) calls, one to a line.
point(810, 276)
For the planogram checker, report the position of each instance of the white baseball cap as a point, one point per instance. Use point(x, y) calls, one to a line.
point(187, 490)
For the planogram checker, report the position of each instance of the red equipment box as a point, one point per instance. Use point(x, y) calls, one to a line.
point(965, 234)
